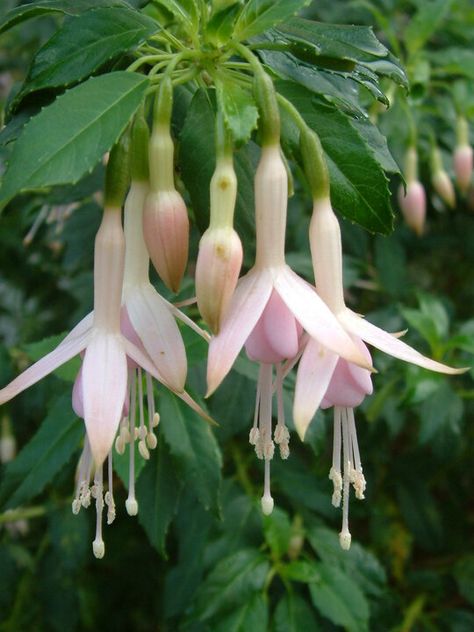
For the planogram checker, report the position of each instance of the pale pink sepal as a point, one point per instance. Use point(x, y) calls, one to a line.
point(78, 395)
point(37, 371)
point(314, 374)
point(104, 379)
point(159, 333)
point(316, 317)
point(390, 344)
point(82, 326)
point(247, 304)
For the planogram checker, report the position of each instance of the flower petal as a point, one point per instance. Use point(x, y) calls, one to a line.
point(247, 304)
point(104, 379)
point(159, 333)
point(316, 317)
point(386, 342)
point(37, 371)
point(314, 375)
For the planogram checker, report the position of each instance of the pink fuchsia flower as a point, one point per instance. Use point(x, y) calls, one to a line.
point(165, 217)
point(413, 201)
point(463, 155)
point(269, 310)
point(220, 249)
point(325, 379)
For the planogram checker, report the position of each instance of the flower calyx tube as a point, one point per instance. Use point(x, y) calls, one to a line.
point(440, 179)
point(220, 249)
point(412, 201)
point(165, 217)
point(463, 155)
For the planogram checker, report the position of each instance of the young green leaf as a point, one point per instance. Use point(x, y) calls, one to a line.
point(239, 109)
point(277, 529)
point(259, 15)
point(84, 44)
point(339, 599)
point(184, 11)
point(252, 615)
point(231, 583)
point(221, 25)
point(44, 7)
point(43, 457)
point(68, 138)
point(424, 23)
point(293, 614)
point(158, 490)
point(193, 448)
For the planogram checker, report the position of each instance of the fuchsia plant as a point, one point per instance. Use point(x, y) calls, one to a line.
point(282, 320)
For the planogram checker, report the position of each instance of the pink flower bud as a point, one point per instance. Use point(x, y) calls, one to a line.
point(166, 233)
point(413, 205)
point(217, 271)
point(463, 166)
point(444, 187)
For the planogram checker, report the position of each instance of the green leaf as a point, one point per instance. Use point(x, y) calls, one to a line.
point(184, 11)
point(464, 574)
point(239, 109)
point(453, 61)
point(277, 530)
point(293, 614)
point(339, 599)
point(359, 188)
point(442, 411)
point(43, 457)
point(44, 7)
point(197, 157)
point(84, 44)
point(67, 139)
point(259, 15)
point(425, 22)
point(193, 447)
point(301, 571)
point(355, 43)
point(158, 490)
point(221, 25)
point(252, 615)
point(231, 582)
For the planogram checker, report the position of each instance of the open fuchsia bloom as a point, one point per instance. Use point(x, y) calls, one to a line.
point(110, 379)
point(326, 379)
point(269, 310)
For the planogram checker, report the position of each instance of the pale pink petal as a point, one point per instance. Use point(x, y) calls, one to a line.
point(159, 333)
point(362, 377)
point(314, 374)
point(104, 375)
point(246, 307)
point(316, 317)
point(343, 389)
point(258, 348)
point(389, 344)
point(37, 371)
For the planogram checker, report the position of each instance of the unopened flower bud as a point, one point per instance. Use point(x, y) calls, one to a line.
point(413, 205)
point(463, 161)
point(440, 179)
point(166, 232)
point(7, 442)
point(217, 271)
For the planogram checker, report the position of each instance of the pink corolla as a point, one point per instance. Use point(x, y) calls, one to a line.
point(269, 310)
point(325, 378)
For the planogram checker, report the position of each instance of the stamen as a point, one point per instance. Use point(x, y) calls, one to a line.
point(281, 434)
point(335, 471)
point(142, 431)
point(131, 504)
point(254, 434)
point(109, 496)
point(98, 545)
point(357, 478)
point(83, 467)
point(345, 536)
point(265, 444)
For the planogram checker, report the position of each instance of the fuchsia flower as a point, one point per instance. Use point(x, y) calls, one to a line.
point(413, 205)
point(463, 161)
point(327, 379)
point(268, 312)
point(111, 373)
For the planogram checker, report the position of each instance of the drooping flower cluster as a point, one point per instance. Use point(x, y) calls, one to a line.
point(131, 337)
